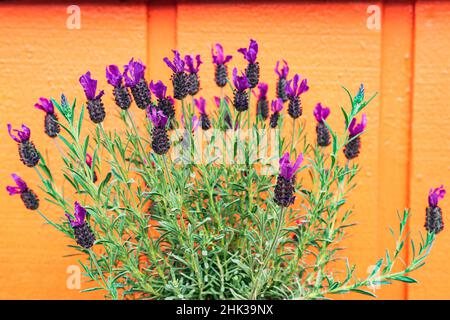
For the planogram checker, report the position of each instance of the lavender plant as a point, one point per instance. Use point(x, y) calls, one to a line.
point(218, 213)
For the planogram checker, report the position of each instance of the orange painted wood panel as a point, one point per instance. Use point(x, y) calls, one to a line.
point(39, 56)
point(405, 150)
point(430, 164)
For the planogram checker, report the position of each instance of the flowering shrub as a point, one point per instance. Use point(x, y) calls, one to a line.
point(217, 205)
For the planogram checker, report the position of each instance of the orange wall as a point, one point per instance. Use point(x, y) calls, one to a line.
point(406, 148)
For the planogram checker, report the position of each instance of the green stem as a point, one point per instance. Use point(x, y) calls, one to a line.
point(273, 244)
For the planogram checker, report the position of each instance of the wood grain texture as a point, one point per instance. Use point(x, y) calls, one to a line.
point(405, 149)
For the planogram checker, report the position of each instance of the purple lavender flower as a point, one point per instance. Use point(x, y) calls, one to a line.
point(191, 65)
point(355, 129)
point(94, 102)
point(134, 74)
point(29, 198)
point(252, 70)
point(240, 82)
point(352, 148)
point(434, 196)
point(22, 135)
point(262, 105)
point(281, 82)
point(192, 68)
point(121, 95)
point(27, 151)
point(321, 113)
point(164, 103)
point(157, 117)
point(323, 134)
point(220, 61)
point(293, 91)
point(200, 104)
point(284, 71)
point(276, 107)
point(158, 89)
point(433, 220)
point(240, 95)
point(287, 169)
point(82, 232)
point(160, 139)
point(284, 189)
point(219, 57)
point(90, 87)
point(251, 53)
point(80, 216)
point(113, 75)
point(45, 105)
point(177, 65)
point(51, 126)
point(180, 79)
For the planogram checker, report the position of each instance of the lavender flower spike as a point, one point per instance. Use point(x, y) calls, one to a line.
point(284, 189)
point(281, 83)
point(27, 151)
point(121, 95)
point(252, 70)
point(276, 107)
point(352, 148)
point(160, 139)
point(164, 103)
point(262, 105)
point(220, 61)
point(433, 220)
point(94, 102)
point(29, 198)
point(180, 79)
point(82, 232)
point(51, 126)
point(240, 95)
point(134, 74)
point(323, 134)
point(200, 104)
point(293, 92)
point(194, 82)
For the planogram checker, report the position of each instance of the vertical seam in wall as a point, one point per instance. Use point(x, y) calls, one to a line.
point(410, 132)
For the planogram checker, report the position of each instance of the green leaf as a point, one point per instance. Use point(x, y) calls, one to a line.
point(403, 279)
point(364, 292)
